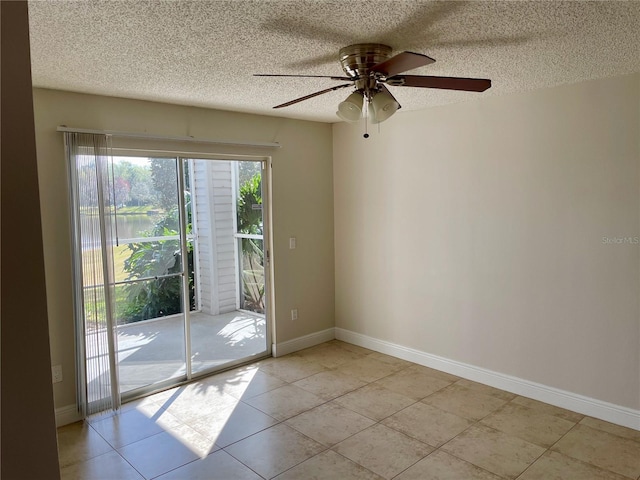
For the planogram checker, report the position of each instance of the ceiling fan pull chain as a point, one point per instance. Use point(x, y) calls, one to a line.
point(365, 117)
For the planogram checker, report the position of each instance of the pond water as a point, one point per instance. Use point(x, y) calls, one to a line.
point(129, 226)
point(135, 226)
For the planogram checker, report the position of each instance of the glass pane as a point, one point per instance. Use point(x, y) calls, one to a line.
point(151, 346)
point(146, 198)
point(193, 291)
point(220, 331)
point(151, 353)
point(148, 299)
point(148, 266)
point(249, 199)
point(94, 308)
point(147, 259)
point(252, 275)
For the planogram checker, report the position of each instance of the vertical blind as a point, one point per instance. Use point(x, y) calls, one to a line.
point(92, 205)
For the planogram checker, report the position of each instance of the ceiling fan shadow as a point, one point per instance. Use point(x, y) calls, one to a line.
point(416, 32)
point(302, 28)
point(367, 57)
point(415, 24)
point(432, 43)
point(485, 42)
point(327, 59)
point(418, 24)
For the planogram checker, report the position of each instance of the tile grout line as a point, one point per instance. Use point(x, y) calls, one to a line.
point(579, 459)
point(548, 449)
point(417, 461)
point(118, 453)
point(532, 463)
point(240, 461)
point(435, 449)
point(325, 401)
point(377, 422)
point(183, 423)
point(561, 437)
point(347, 458)
point(278, 422)
point(475, 423)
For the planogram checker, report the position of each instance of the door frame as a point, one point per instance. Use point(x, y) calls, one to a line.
point(266, 171)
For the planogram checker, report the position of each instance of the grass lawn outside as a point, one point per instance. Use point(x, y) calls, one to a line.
point(90, 258)
point(141, 210)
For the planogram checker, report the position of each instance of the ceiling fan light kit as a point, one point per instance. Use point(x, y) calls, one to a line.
point(351, 109)
point(383, 105)
point(370, 67)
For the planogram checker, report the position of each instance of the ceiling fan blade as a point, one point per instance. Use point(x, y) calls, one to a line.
point(301, 76)
point(307, 97)
point(401, 63)
point(447, 83)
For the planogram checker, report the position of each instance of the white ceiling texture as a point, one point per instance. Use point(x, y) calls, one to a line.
point(204, 53)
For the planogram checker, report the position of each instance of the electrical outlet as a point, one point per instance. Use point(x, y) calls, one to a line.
point(294, 314)
point(56, 373)
point(292, 243)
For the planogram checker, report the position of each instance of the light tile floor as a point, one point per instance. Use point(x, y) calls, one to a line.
point(337, 411)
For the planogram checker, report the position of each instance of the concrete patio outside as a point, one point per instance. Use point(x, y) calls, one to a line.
point(153, 351)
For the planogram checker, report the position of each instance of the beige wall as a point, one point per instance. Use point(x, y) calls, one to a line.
point(302, 204)
point(475, 232)
point(28, 439)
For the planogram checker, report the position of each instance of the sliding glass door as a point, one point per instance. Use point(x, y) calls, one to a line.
point(182, 285)
point(149, 273)
point(227, 225)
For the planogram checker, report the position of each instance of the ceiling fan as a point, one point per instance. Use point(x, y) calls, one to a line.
point(370, 68)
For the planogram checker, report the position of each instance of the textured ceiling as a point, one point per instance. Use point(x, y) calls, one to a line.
point(204, 52)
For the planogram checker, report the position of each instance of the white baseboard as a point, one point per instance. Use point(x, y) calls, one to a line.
point(311, 340)
point(609, 412)
point(66, 415)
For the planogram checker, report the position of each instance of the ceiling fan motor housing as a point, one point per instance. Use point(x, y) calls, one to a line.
point(358, 60)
